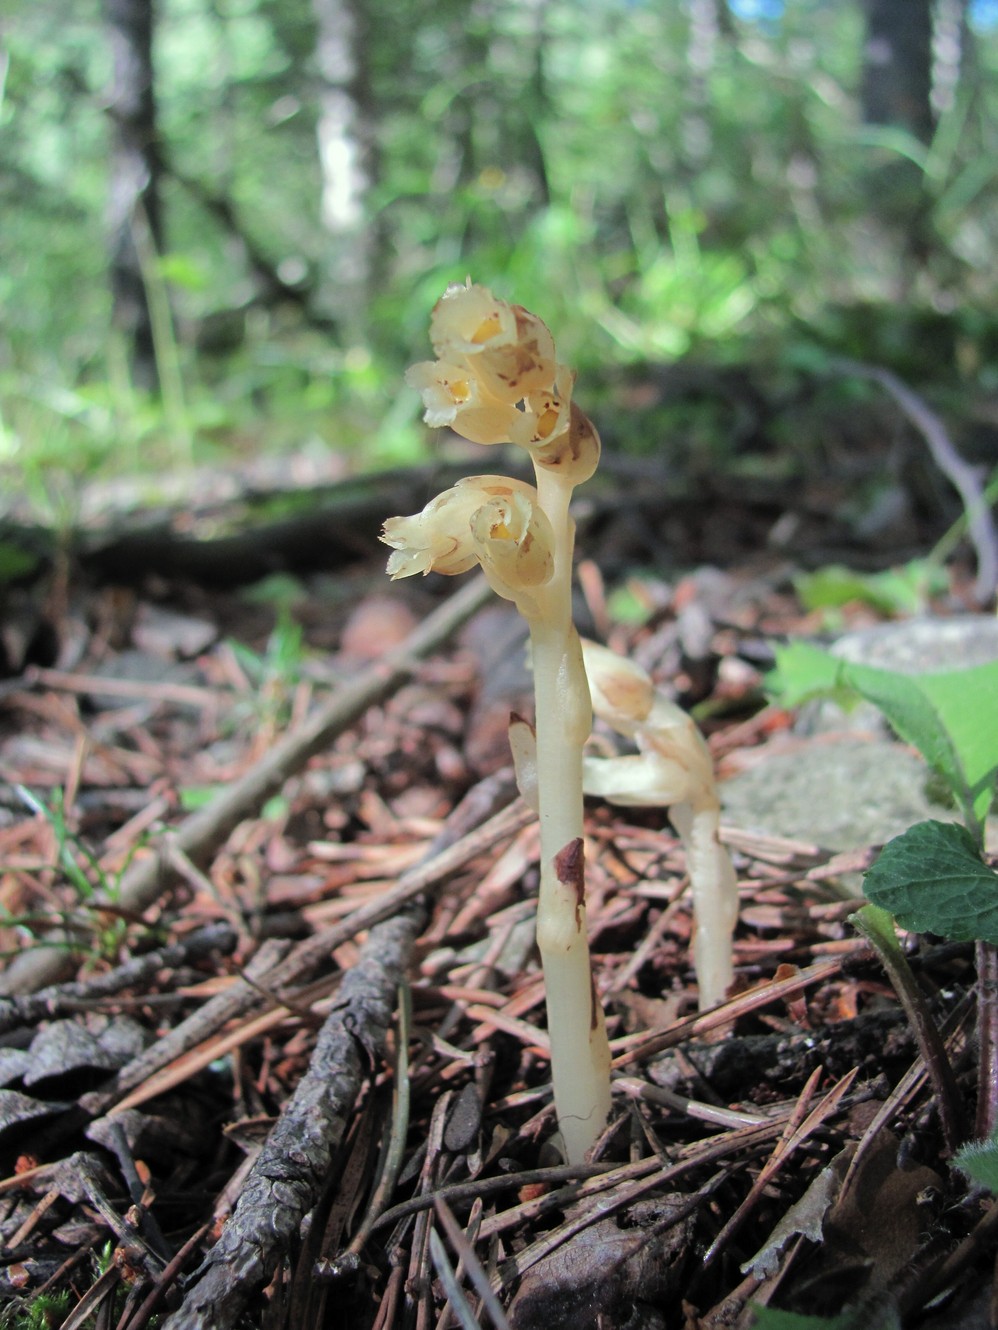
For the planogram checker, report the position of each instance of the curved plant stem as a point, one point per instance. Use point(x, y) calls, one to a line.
point(877, 927)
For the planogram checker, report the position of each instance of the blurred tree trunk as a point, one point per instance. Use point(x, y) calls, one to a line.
point(701, 55)
point(951, 48)
point(346, 143)
point(897, 66)
point(134, 219)
point(897, 92)
point(533, 109)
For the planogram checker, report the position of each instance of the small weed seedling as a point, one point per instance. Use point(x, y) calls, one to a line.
point(83, 872)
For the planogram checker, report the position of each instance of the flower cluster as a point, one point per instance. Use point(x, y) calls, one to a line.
point(496, 380)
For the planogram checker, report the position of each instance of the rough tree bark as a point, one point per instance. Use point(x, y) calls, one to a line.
point(133, 211)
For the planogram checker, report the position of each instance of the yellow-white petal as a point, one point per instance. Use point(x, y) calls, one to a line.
point(514, 540)
point(453, 396)
point(509, 350)
point(487, 519)
point(574, 453)
point(468, 318)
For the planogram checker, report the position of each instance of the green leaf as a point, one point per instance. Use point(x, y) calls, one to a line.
point(194, 797)
point(933, 880)
point(183, 271)
point(979, 1160)
point(950, 717)
point(15, 562)
point(893, 591)
point(804, 672)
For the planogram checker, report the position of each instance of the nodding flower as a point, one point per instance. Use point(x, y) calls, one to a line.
point(490, 520)
point(510, 351)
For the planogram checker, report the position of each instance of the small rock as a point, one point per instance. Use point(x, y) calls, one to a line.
point(841, 792)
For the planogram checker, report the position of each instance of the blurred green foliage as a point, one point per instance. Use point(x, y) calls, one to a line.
point(658, 180)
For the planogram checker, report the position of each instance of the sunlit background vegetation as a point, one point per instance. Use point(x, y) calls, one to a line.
point(717, 180)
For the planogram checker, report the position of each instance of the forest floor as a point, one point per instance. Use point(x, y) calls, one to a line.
point(274, 1044)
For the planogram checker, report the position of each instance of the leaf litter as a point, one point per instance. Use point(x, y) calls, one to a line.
point(279, 1039)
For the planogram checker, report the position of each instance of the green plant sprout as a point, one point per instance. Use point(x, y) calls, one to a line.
point(88, 879)
point(38, 1311)
point(273, 674)
point(673, 768)
point(496, 380)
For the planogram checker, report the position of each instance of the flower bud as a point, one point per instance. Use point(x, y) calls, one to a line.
point(514, 540)
point(574, 454)
point(622, 692)
point(545, 414)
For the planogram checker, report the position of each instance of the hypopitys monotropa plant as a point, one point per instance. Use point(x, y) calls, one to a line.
point(672, 768)
point(496, 380)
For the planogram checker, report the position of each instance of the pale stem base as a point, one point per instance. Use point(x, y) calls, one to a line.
point(580, 1053)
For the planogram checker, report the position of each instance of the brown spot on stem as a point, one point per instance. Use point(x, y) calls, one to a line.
point(570, 867)
point(593, 1003)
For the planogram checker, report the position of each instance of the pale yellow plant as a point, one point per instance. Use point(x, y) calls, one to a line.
point(672, 768)
point(496, 380)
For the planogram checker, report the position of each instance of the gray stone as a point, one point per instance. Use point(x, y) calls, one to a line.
point(840, 792)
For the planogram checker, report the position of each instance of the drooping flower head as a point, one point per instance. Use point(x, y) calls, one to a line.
point(509, 349)
point(496, 380)
point(489, 520)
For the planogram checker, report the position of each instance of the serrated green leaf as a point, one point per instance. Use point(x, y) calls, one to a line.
point(950, 717)
point(932, 880)
point(979, 1160)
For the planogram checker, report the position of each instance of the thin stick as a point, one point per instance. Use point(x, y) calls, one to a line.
point(961, 475)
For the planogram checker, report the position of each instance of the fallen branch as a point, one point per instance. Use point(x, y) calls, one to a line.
point(274, 969)
point(962, 476)
point(286, 1179)
point(62, 999)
